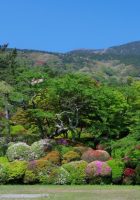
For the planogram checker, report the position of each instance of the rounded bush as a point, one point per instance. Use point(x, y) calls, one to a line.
point(76, 170)
point(41, 147)
point(30, 177)
point(16, 171)
point(117, 167)
point(81, 149)
point(93, 155)
point(97, 168)
point(53, 157)
point(61, 177)
point(19, 151)
point(70, 156)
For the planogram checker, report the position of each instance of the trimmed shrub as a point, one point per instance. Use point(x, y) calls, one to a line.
point(46, 174)
point(53, 157)
point(92, 155)
point(16, 171)
point(117, 167)
point(61, 177)
point(76, 170)
point(81, 149)
point(41, 147)
point(98, 172)
point(30, 177)
point(70, 156)
point(19, 151)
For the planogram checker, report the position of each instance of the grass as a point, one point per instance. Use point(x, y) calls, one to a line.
point(74, 192)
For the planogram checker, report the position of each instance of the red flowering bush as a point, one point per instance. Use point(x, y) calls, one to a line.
point(129, 172)
point(92, 155)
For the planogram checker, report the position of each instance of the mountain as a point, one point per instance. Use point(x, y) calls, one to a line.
point(114, 64)
point(132, 48)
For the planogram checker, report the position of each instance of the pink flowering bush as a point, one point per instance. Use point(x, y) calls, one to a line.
point(92, 155)
point(96, 171)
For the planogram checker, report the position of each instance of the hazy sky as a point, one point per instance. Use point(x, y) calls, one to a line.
point(63, 25)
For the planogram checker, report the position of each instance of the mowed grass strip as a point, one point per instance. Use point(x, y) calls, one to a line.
point(74, 192)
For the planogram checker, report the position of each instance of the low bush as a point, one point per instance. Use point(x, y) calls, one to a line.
point(30, 177)
point(70, 156)
point(53, 157)
point(98, 172)
point(92, 155)
point(76, 170)
point(16, 171)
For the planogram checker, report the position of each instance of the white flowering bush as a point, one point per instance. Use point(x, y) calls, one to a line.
point(41, 147)
point(19, 151)
point(62, 176)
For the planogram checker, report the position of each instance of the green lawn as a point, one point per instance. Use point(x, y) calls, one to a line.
point(88, 192)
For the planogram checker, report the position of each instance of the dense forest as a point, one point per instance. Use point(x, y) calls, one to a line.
point(80, 117)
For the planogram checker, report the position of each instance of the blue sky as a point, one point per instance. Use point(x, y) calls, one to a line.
point(63, 25)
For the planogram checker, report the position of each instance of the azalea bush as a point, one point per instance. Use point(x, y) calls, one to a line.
point(92, 155)
point(97, 172)
point(19, 151)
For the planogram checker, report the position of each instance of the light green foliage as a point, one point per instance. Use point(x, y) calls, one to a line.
point(19, 151)
point(16, 171)
point(76, 171)
point(30, 177)
point(117, 167)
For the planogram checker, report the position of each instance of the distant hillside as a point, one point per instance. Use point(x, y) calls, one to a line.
point(132, 48)
point(114, 64)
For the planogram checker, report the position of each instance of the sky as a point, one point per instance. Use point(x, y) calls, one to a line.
point(64, 25)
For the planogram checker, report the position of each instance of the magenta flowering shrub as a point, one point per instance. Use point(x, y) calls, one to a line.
point(97, 168)
point(92, 155)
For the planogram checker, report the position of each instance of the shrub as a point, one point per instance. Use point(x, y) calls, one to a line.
point(70, 156)
point(16, 171)
point(63, 149)
point(46, 174)
point(92, 155)
point(30, 177)
point(81, 149)
point(3, 173)
point(117, 167)
point(41, 147)
point(53, 157)
point(98, 172)
point(76, 170)
point(129, 176)
point(19, 151)
point(132, 157)
point(61, 177)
